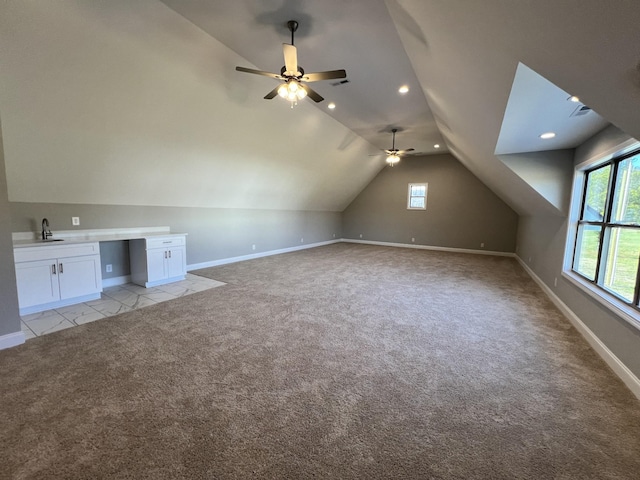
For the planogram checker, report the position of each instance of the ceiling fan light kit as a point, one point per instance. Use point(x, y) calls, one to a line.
point(294, 87)
point(293, 91)
point(393, 155)
point(393, 159)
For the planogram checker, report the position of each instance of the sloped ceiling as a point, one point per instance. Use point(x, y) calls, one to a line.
point(357, 35)
point(109, 86)
point(465, 55)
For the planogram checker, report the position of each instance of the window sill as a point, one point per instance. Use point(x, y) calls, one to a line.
point(617, 307)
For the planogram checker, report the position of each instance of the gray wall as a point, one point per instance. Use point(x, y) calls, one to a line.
point(549, 173)
point(9, 317)
point(213, 233)
point(541, 245)
point(461, 211)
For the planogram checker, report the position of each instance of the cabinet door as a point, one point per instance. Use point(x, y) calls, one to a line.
point(37, 283)
point(79, 276)
point(176, 262)
point(156, 264)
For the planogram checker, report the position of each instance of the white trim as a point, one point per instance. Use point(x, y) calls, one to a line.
point(603, 156)
point(429, 247)
point(622, 310)
point(619, 368)
point(11, 340)
point(115, 281)
point(242, 258)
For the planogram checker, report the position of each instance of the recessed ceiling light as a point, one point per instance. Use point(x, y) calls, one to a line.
point(547, 135)
point(403, 89)
point(573, 99)
point(437, 145)
point(331, 106)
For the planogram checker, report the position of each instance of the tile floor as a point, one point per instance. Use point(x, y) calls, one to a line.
point(114, 300)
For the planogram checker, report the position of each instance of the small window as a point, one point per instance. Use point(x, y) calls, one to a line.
point(417, 198)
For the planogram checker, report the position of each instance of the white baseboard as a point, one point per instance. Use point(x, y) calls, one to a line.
point(225, 261)
point(619, 368)
point(11, 340)
point(115, 281)
point(429, 247)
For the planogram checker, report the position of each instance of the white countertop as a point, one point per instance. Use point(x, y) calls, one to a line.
point(30, 239)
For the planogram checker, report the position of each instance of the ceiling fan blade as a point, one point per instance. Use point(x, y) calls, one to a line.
point(402, 152)
point(313, 95)
point(259, 72)
point(272, 93)
point(330, 75)
point(290, 59)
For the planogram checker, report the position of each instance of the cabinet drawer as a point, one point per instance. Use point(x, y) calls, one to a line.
point(165, 242)
point(44, 252)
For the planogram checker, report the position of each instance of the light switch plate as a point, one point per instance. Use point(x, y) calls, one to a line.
point(75, 220)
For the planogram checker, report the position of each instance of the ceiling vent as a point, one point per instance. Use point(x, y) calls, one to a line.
point(581, 110)
point(340, 82)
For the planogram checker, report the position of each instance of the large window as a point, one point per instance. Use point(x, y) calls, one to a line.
point(607, 247)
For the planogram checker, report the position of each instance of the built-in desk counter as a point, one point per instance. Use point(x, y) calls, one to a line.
point(66, 269)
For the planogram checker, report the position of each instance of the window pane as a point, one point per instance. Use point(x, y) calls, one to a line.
point(587, 246)
point(626, 201)
point(596, 197)
point(418, 190)
point(417, 202)
point(622, 261)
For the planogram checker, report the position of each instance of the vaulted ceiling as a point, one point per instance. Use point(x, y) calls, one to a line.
point(459, 59)
point(150, 88)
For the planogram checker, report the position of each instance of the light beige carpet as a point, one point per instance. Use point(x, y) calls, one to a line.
point(345, 361)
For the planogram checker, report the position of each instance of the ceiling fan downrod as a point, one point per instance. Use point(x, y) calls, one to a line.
point(293, 26)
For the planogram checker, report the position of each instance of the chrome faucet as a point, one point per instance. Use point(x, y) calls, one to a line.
point(46, 233)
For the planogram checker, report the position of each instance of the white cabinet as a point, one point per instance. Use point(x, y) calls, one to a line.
point(158, 260)
point(51, 276)
point(37, 284)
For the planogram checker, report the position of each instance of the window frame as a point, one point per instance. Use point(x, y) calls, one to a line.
point(629, 309)
point(409, 196)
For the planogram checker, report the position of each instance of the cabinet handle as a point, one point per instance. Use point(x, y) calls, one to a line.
point(165, 254)
point(169, 253)
point(61, 268)
point(53, 269)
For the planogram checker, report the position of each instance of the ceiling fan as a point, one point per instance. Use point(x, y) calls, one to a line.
point(294, 87)
point(393, 155)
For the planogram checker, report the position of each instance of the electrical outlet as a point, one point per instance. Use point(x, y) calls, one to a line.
point(301, 240)
point(109, 268)
point(253, 247)
point(334, 235)
point(555, 282)
point(413, 240)
point(482, 245)
point(360, 235)
point(75, 221)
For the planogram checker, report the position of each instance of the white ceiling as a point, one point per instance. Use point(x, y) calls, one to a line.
point(358, 36)
point(460, 59)
point(537, 106)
